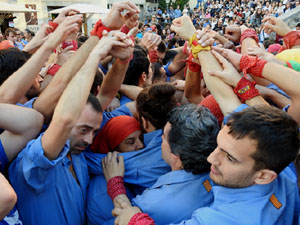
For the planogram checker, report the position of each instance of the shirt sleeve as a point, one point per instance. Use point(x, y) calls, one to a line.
point(121, 111)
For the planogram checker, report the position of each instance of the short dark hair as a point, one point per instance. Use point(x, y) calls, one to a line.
point(139, 64)
point(155, 102)
point(157, 75)
point(193, 136)
point(94, 102)
point(10, 61)
point(276, 134)
point(161, 47)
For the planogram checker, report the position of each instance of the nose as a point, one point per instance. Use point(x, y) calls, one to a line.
point(139, 144)
point(88, 138)
point(213, 158)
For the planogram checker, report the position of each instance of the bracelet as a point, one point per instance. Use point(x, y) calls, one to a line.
point(192, 66)
point(53, 25)
point(196, 47)
point(141, 219)
point(53, 69)
point(291, 39)
point(249, 33)
point(252, 65)
point(126, 61)
point(115, 187)
point(245, 89)
point(99, 28)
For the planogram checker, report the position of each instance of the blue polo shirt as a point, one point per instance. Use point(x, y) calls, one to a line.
point(142, 169)
point(47, 191)
point(3, 158)
point(175, 196)
point(276, 203)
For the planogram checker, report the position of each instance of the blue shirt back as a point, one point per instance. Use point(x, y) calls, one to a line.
point(175, 196)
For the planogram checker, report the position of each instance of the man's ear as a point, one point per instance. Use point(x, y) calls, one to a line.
point(265, 176)
point(176, 161)
point(143, 77)
point(145, 123)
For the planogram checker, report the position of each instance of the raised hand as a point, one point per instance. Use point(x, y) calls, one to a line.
point(65, 13)
point(125, 212)
point(151, 41)
point(122, 52)
point(205, 38)
point(113, 165)
point(277, 25)
point(183, 26)
point(131, 20)
point(229, 74)
point(67, 27)
point(114, 20)
point(233, 32)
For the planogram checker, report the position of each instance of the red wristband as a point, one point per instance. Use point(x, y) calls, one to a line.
point(290, 40)
point(115, 187)
point(125, 29)
point(53, 25)
point(192, 66)
point(153, 56)
point(245, 89)
point(98, 29)
point(53, 69)
point(249, 33)
point(141, 219)
point(252, 65)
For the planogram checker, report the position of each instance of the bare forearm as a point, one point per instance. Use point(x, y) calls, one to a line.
point(112, 83)
point(248, 43)
point(130, 91)
point(8, 197)
point(178, 63)
point(257, 100)
point(192, 90)
point(19, 83)
point(47, 101)
point(223, 93)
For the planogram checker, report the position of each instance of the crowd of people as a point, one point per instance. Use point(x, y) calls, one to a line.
point(190, 117)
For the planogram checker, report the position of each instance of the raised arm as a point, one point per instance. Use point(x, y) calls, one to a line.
point(49, 98)
point(73, 100)
point(19, 83)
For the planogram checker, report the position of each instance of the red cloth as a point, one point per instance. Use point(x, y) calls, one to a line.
point(245, 89)
point(211, 103)
point(249, 33)
point(193, 67)
point(6, 44)
point(115, 187)
point(113, 133)
point(125, 30)
point(252, 65)
point(53, 69)
point(141, 219)
point(290, 40)
point(99, 28)
point(53, 25)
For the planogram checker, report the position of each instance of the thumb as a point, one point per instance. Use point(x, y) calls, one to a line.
point(174, 28)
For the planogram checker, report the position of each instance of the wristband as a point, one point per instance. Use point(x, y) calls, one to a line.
point(53, 25)
point(141, 219)
point(291, 39)
point(196, 47)
point(125, 29)
point(245, 89)
point(115, 187)
point(53, 69)
point(249, 33)
point(192, 66)
point(252, 65)
point(99, 28)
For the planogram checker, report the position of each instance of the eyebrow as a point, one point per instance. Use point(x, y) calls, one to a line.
point(86, 126)
point(230, 155)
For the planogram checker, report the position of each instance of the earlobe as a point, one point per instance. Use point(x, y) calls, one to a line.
point(144, 76)
point(145, 123)
point(265, 176)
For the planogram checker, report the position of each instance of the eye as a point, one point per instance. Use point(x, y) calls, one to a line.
point(230, 158)
point(83, 130)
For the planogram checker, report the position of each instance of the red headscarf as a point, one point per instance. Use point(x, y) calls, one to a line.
point(113, 133)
